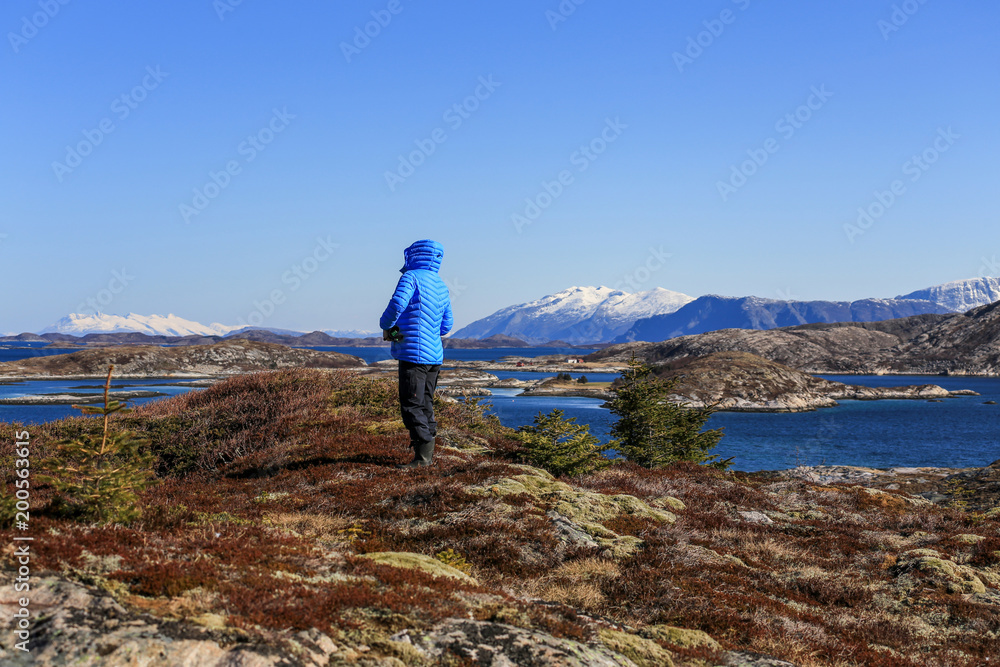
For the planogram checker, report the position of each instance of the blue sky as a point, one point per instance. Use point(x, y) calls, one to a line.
point(267, 162)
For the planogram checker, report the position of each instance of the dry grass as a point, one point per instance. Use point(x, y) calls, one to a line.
point(271, 486)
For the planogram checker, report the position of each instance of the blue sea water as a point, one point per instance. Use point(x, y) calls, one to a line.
point(956, 432)
point(37, 414)
point(18, 351)
point(373, 354)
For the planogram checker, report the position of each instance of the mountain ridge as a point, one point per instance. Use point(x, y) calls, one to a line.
point(956, 344)
point(579, 315)
point(713, 312)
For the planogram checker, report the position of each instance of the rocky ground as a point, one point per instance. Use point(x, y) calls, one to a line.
point(280, 533)
point(70, 398)
point(975, 489)
point(230, 357)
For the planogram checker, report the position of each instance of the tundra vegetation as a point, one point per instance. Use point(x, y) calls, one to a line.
point(278, 526)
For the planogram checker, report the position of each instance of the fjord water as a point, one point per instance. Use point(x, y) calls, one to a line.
point(956, 432)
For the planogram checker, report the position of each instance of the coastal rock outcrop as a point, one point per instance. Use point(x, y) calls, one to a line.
point(744, 382)
point(230, 357)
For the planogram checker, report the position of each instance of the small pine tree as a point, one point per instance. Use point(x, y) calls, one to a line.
point(8, 506)
point(583, 379)
point(653, 431)
point(562, 446)
point(99, 477)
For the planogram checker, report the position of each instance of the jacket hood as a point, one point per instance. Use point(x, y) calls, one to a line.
point(425, 254)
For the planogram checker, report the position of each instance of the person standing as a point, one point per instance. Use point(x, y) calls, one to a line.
point(418, 315)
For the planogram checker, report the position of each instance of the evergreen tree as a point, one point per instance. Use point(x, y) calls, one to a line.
point(99, 477)
point(653, 431)
point(562, 446)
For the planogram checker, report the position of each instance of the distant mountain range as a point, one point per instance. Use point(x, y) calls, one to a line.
point(711, 313)
point(598, 314)
point(77, 324)
point(575, 316)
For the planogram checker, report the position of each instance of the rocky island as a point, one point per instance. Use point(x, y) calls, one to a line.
point(230, 357)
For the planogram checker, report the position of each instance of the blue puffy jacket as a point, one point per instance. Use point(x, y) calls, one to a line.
point(420, 306)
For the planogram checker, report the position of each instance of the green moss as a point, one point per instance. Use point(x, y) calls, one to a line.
point(622, 547)
point(504, 487)
point(668, 502)
point(951, 576)
point(680, 637)
point(642, 652)
point(204, 518)
point(923, 552)
point(415, 561)
point(386, 427)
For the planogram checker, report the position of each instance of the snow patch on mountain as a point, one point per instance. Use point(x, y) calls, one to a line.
point(576, 315)
point(77, 324)
point(960, 295)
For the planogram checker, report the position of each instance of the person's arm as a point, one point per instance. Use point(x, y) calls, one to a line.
point(446, 319)
point(400, 299)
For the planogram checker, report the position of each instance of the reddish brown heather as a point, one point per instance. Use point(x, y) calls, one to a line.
point(273, 487)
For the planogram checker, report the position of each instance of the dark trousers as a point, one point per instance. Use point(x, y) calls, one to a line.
point(417, 383)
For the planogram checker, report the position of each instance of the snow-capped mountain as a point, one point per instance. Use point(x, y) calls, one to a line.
point(960, 295)
point(154, 325)
point(170, 325)
point(576, 315)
